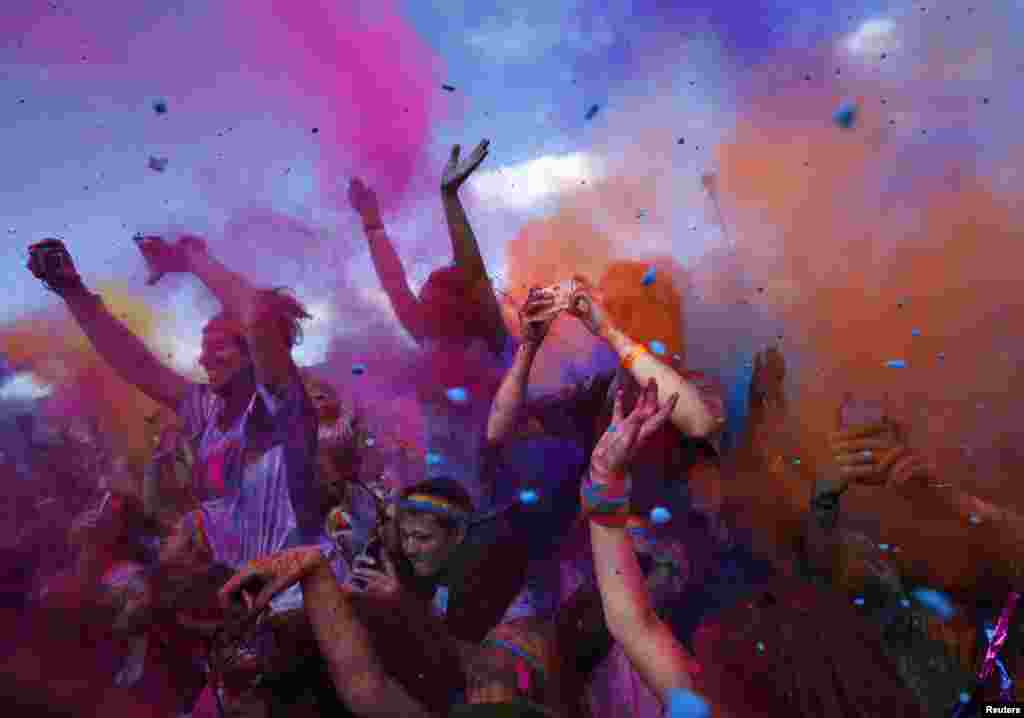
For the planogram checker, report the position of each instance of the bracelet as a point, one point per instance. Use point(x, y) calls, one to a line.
point(637, 351)
point(607, 503)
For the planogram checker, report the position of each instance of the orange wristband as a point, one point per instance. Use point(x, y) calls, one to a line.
point(631, 356)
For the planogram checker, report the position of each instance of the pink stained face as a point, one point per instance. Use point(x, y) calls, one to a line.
point(222, 357)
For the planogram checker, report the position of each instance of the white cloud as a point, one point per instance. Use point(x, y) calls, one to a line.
point(23, 386)
point(523, 185)
point(872, 37)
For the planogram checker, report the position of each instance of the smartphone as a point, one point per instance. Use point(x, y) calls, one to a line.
point(368, 558)
point(562, 295)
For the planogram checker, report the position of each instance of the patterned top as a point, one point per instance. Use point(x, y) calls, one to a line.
point(255, 479)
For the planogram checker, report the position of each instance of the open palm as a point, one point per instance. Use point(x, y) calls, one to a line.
point(456, 172)
point(627, 434)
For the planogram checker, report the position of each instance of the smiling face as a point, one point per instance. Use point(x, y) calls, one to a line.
point(222, 357)
point(426, 542)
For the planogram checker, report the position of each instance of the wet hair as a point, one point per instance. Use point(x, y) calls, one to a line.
point(446, 489)
point(289, 314)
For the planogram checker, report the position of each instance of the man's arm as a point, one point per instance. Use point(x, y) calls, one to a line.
point(469, 260)
point(124, 352)
point(347, 648)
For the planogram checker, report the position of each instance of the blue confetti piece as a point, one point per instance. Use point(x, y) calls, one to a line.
point(936, 602)
point(965, 697)
point(896, 364)
point(592, 112)
point(612, 428)
point(370, 441)
point(528, 496)
point(845, 116)
point(883, 546)
point(760, 646)
point(160, 107)
point(974, 519)
point(649, 277)
point(660, 515)
point(859, 601)
point(915, 333)
point(358, 369)
point(434, 458)
point(457, 395)
point(905, 602)
point(686, 704)
point(942, 355)
point(657, 347)
point(158, 164)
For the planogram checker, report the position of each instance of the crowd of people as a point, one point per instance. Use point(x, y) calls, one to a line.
point(588, 553)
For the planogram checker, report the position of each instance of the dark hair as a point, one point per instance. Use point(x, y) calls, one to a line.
point(444, 488)
point(289, 313)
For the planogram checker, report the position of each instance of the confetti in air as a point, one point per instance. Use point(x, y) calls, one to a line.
point(760, 646)
point(845, 116)
point(158, 164)
point(660, 515)
point(686, 704)
point(160, 107)
point(915, 333)
point(457, 395)
point(528, 496)
point(859, 601)
point(650, 276)
point(657, 347)
point(448, 88)
point(358, 369)
point(896, 364)
point(434, 459)
point(592, 112)
point(936, 602)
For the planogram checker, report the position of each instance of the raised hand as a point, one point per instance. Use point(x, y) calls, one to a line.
point(162, 257)
point(877, 455)
point(262, 579)
point(456, 173)
point(586, 305)
point(626, 435)
point(51, 263)
point(379, 584)
point(536, 317)
point(364, 202)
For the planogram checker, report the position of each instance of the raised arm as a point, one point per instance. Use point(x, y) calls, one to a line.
point(392, 277)
point(654, 651)
point(120, 349)
point(694, 414)
point(507, 407)
point(266, 316)
point(465, 249)
point(344, 641)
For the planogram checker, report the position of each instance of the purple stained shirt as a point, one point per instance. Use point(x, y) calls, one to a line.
point(255, 480)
